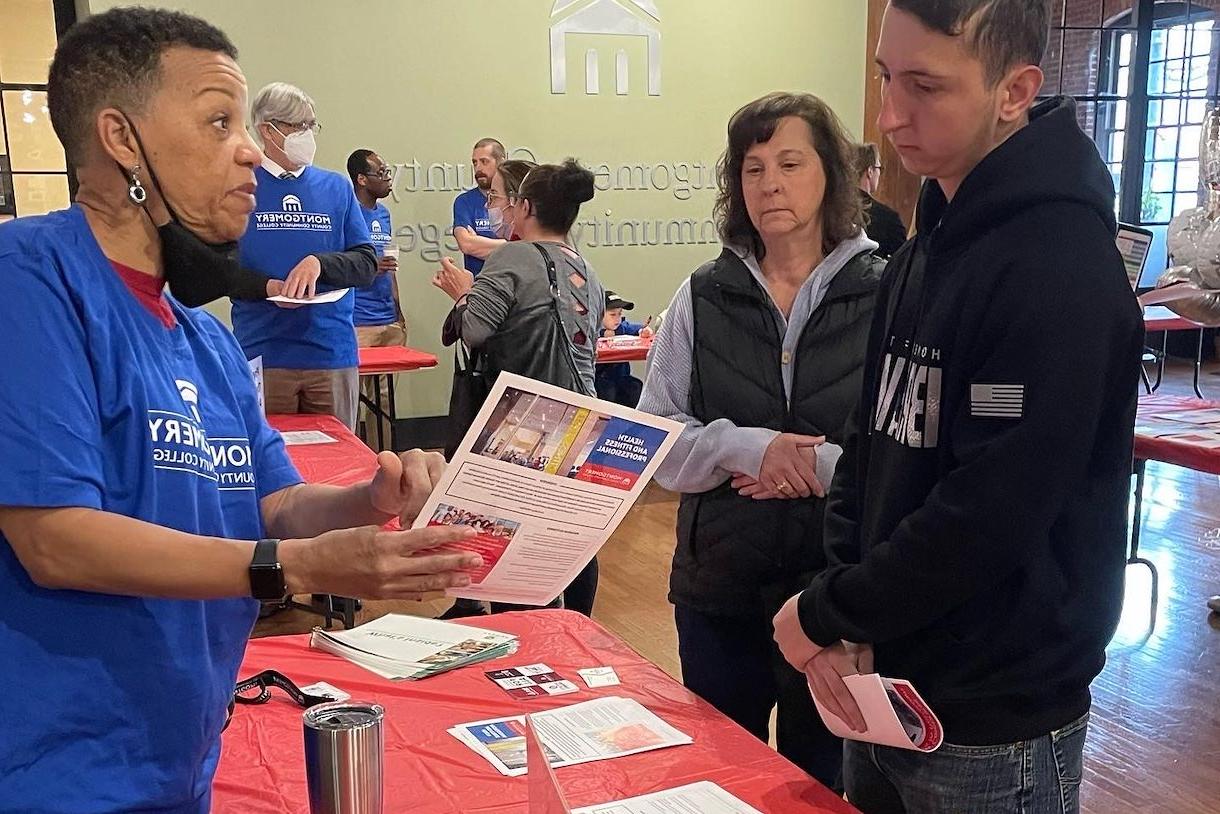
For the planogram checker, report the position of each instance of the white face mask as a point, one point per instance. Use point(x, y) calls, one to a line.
point(503, 227)
point(300, 148)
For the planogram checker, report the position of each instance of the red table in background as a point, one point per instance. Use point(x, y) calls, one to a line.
point(1158, 318)
point(623, 349)
point(345, 462)
point(262, 765)
point(378, 362)
point(1197, 454)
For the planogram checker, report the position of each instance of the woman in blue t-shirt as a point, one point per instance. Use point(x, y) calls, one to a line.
point(145, 504)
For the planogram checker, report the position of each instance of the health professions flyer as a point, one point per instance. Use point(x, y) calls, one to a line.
point(544, 477)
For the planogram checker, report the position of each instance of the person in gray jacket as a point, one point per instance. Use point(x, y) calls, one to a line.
point(509, 311)
point(760, 356)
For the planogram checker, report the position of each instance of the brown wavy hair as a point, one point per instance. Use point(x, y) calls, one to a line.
point(842, 216)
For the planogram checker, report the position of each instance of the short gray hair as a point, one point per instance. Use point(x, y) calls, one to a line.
point(282, 102)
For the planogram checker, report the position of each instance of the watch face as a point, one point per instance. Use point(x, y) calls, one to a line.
point(266, 575)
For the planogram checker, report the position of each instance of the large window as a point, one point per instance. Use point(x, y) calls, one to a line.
point(33, 172)
point(1144, 73)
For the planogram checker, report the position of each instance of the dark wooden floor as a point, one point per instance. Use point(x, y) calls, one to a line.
point(1154, 744)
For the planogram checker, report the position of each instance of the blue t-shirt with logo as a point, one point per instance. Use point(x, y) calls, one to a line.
point(116, 703)
point(470, 210)
point(375, 302)
point(294, 217)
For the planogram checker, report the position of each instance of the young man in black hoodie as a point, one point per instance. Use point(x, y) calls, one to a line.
point(977, 521)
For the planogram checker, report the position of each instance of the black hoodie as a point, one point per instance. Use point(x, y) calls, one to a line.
point(977, 522)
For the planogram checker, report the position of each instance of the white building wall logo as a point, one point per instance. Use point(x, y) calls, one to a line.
point(612, 19)
point(291, 203)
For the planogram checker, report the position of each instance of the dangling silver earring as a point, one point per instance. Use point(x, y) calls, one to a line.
point(135, 190)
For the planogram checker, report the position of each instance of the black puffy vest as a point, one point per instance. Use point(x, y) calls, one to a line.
point(736, 556)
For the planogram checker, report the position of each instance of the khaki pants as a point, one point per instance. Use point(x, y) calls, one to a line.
point(330, 392)
point(378, 336)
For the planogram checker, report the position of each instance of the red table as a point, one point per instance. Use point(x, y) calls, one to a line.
point(1158, 318)
point(378, 362)
point(623, 349)
point(1194, 454)
point(262, 767)
point(345, 462)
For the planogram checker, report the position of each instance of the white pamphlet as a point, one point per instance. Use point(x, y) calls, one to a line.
point(317, 299)
point(544, 476)
point(894, 714)
point(704, 797)
point(600, 729)
point(399, 646)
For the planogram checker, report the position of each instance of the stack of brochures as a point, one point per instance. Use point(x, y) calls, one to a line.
point(397, 646)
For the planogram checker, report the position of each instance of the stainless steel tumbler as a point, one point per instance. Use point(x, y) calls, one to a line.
point(344, 745)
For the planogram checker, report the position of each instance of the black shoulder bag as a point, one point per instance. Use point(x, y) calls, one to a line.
point(556, 311)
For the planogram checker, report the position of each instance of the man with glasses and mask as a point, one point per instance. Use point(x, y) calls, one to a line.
point(307, 229)
point(378, 313)
point(471, 225)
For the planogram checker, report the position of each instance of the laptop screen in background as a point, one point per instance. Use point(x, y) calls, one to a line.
point(1133, 245)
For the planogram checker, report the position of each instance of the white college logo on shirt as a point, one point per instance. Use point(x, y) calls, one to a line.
point(181, 444)
point(190, 398)
point(293, 216)
point(376, 227)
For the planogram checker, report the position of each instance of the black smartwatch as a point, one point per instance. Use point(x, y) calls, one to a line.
point(266, 573)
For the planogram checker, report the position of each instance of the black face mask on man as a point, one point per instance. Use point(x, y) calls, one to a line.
point(196, 272)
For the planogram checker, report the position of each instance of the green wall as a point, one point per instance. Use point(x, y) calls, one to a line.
point(420, 80)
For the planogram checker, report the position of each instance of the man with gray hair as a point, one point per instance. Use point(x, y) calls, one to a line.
point(307, 230)
point(471, 223)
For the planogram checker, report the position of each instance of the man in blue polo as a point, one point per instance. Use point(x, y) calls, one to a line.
point(306, 230)
point(378, 314)
point(470, 208)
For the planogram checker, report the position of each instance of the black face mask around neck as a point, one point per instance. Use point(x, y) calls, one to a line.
point(197, 272)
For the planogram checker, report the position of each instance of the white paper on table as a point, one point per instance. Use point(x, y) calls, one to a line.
point(704, 797)
point(894, 714)
point(599, 677)
point(590, 731)
point(318, 299)
point(296, 437)
point(545, 476)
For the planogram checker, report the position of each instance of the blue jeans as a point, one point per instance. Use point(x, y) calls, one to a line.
point(1038, 776)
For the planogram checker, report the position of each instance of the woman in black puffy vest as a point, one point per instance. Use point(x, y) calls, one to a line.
point(760, 356)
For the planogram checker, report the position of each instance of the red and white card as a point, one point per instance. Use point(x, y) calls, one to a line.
point(894, 714)
point(531, 681)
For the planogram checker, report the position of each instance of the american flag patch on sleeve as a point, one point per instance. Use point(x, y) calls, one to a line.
point(997, 400)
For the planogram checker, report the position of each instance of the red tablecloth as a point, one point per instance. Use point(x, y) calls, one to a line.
point(343, 463)
point(618, 349)
point(1177, 450)
point(396, 359)
point(1160, 318)
point(262, 767)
